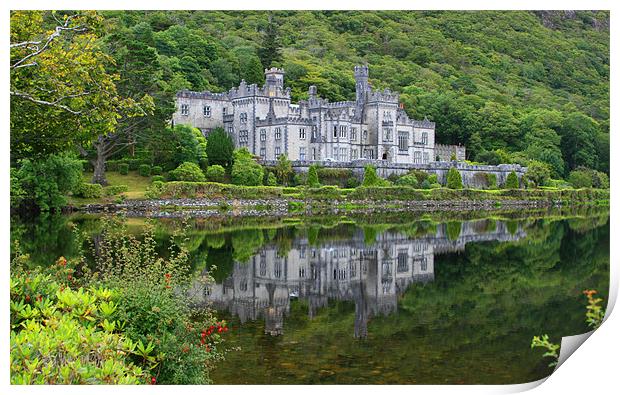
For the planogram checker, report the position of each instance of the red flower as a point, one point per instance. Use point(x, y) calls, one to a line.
point(219, 330)
point(153, 381)
point(226, 329)
point(27, 298)
point(39, 298)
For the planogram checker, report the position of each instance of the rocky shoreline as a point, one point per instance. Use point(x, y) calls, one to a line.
point(201, 208)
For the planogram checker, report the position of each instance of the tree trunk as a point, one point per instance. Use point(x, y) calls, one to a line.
point(99, 163)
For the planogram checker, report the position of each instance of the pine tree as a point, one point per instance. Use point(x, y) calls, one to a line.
point(313, 177)
point(454, 179)
point(269, 52)
point(512, 181)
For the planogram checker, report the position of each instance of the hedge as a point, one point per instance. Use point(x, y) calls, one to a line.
point(87, 190)
point(156, 170)
point(115, 189)
point(123, 168)
point(145, 170)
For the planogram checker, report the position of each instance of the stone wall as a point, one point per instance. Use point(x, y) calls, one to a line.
point(445, 152)
point(474, 176)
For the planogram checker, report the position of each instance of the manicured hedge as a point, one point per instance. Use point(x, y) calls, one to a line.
point(87, 190)
point(115, 189)
point(156, 170)
point(145, 170)
point(123, 168)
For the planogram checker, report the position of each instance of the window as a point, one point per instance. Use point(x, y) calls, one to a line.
point(365, 134)
point(402, 265)
point(206, 111)
point(263, 135)
point(302, 153)
point(277, 269)
point(353, 134)
point(314, 131)
point(353, 154)
point(425, 157)
point(343, 131)
point(403, 141)
point(243, 117)
point(417, 157)
point(343, 154)
point(277, 152)
point(335, 131)
point(243, 138)
point(424, 265)
point(263, 152)
point(263, 264)
point(335, 154)
point(184, 109)
point(425, 138)
point(230, 130)
point(224, 111)
point(302, 253)
point(387, 134)
point(278, 134)
point(302, 134)
point(313, 153)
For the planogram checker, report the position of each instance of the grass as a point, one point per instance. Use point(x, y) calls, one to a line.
point(136, 183)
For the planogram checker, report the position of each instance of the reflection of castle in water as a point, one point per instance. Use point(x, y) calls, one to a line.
point(372, 276)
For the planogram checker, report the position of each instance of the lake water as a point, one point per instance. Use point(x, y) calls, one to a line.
point(383, 300)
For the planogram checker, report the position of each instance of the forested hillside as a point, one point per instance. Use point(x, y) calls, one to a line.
point(536, 83)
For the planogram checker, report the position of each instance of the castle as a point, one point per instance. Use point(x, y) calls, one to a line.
point(263, 119)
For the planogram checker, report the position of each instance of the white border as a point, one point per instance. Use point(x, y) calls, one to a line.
point(591, 369)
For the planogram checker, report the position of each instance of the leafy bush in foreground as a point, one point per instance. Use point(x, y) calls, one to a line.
point(187, 171)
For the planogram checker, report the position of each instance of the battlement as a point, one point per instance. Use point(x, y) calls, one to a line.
point(361, 71)
point(203, 95)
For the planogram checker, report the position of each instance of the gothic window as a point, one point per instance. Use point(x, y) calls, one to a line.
point(425, 138)
point(335, 131)
point(230, 130)
point(425, 157)
point(302, 153)
point(424, 265)
point(263, 152)
point(263, 264)
point(343, 154)
point(365, 134)
point(302, 134)
point(243, 138)
point(387, 134)
point(403, 141)
point(184, 109)
point(302, 272)
point(353, 134)
point(277, 152)
point(353, 154)
point(243, 285)
point(278, 134)
point(263, 135)
point(417, 157)
point(402, 265)
point(314, 131)
point(277, 269)
point(343, 131)
point(302, 253)
point(224, 111)
point(243, 117)
point(206, 111)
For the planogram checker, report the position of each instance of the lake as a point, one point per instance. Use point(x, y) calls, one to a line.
point(385, 299)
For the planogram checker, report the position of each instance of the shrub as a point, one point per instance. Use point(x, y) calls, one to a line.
point(454, 180)
point(491, 180)
point(156, 170)
point(352, 182)
point(313, 177)
point(215, 173)
point(87, 190)
point(155, 190)
point(158, 178)
point(134, 164)
point(420, 175)
point(371, 178)
point(43, 183)
point(425, 184)
point(432, 178)
point(123, 168)
point(580, 179)
point(220, 148)
point(145, 170)
point(187, 171)
point(538, 172)
point(245, 170)
point(115, 189)
point(600, 180)
point(271, 180)
point(409, 180)
point(434, 185)
point(284, 169)
point(329, 176)
point(512, 181)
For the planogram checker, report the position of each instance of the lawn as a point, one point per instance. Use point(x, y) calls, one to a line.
point(137, 186)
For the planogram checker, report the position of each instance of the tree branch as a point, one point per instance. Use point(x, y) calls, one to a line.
point(48, 103)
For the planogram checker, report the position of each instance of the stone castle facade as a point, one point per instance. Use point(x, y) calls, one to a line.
point(263, 119)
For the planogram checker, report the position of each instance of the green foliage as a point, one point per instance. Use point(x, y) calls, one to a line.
point(215, 173)
point(426, 184)
point(115, 189)
point(587, 178)
point(187, 171)
point(245, 170)
point(271, 180)
point(43, 183)
point(145, 170)
point(409, 180)
point(334, 176)
point(371, 178)
point(512, 181)
point(156, 170)
point(284, 169)
point(123, 168)
point(594, 311)
point(158, 178)
point(313, 177)
point(352, 182)
point(453, 180)
point(552, 348)
point(220, 148)
point(491, 179)
point(87, 190)
point(538, 172)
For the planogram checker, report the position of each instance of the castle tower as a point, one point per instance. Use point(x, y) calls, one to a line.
point(274, 80)
point(361, 83)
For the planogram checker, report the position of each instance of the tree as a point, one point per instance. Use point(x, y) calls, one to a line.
point(579, 137)
point(371, 179)
point(220, 148)
point(269, 51)
point(245, 170)
point(580, 178)
point(187, 171)
point(313, 177)
point(215, 173)
point(512, 181)
point(283, 169)
point(454, 180)
point(538, 172)
point(62, 93)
